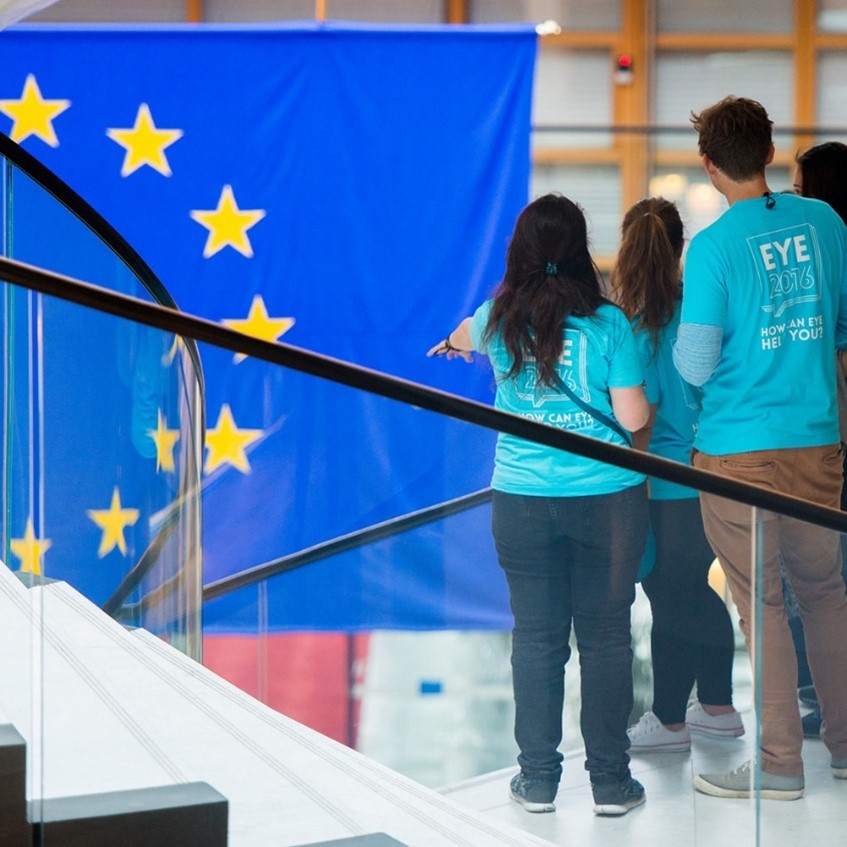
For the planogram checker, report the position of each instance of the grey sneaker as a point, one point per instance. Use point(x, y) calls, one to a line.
point(740, 783)
point(839, 768)
point(617, 798)
point(533, 793)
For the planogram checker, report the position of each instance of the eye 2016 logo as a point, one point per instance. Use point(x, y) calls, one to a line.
point(786, 262)
point(572, 371)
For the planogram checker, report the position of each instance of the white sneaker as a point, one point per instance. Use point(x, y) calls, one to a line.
point(650, 735)
point(698, 720)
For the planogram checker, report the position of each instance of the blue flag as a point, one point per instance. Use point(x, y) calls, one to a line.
point(345, 189)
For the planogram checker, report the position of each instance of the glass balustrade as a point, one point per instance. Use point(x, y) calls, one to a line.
point(361, 593)
point(102, 436)
point(102, 428)
point(358, 592)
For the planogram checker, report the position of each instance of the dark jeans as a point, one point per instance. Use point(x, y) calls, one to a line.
point(692, 638)
point(572, 559)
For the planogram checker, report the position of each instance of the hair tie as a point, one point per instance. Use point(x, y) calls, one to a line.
point(552, 269)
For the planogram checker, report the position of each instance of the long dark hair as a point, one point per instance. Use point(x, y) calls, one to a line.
point(549, 276)
point(823, 170)
point(645, 279)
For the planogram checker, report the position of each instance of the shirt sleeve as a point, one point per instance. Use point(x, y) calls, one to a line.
point(624, 365)
point(704, 293)
point(477, 327)
point(649, 365)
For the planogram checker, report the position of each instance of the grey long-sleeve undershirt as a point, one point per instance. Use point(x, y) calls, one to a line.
point(697, 351)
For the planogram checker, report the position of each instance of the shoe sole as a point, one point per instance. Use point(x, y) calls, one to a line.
point(712, 732)
point(677, 747)
point(530, 806)
point(839, 773)
point(615, 810)
point(706, 787)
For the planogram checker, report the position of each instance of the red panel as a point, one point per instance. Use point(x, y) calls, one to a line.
point(306, 676)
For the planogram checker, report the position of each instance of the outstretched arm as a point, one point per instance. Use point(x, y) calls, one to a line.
point(457, 344)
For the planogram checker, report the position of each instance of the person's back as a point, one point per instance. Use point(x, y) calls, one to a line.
point(691, 641)
point(761, 317)
point(821, 173)
point(569, 531)
point(592, 359)
point(769, 271)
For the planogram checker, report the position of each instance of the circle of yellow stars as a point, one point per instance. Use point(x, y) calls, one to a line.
point(145, 145)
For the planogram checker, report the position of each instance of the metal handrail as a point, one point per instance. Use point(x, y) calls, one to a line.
point(414, 394)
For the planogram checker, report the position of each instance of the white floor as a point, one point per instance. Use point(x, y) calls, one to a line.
point(674, 814)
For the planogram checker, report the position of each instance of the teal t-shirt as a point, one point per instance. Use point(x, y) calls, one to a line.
point(677, 405)
point(773, 280)
point(599, 353)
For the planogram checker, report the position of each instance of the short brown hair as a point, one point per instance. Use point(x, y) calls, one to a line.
point(736, 135)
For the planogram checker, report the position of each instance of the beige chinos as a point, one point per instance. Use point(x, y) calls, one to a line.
point(812, 560)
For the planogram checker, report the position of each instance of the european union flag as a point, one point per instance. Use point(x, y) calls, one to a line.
point(346, 189)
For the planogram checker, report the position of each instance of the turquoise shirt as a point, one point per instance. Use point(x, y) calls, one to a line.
point(599, 353)
point(677, 405)
point(773, 280)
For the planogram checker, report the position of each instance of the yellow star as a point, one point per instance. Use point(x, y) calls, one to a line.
point(228, 225)
point(30, 550)
point(227, 444)
point(165, 439)
point(145, 144)
point(113, 521)
point(259, 324)
point(32, 114)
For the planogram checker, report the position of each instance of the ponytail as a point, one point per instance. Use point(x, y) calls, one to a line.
point(646, 277)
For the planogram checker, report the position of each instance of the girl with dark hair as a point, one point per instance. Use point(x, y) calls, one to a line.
point(569, 531)
point(821, 173)
point(692, 639)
